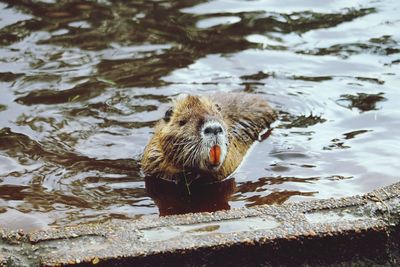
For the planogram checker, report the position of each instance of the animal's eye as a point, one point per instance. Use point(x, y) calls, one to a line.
point(182, 122)
point(218, 107)
point(168, 115)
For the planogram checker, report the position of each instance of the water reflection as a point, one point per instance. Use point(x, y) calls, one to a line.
point(180, 198)
point(272, 197)
point(83, 82)
point(362, 101)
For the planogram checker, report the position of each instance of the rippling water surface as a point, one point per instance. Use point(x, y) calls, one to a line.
point(82, 83)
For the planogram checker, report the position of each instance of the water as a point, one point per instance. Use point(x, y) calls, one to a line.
point(82, 84)
point(228, 226)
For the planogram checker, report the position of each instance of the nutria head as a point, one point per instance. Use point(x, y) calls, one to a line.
point(194, 134)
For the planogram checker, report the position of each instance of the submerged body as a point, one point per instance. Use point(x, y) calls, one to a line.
point(205, 136)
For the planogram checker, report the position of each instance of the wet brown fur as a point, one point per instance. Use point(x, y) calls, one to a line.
point(244, 116)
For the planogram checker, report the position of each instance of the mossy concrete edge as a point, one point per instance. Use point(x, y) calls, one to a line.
point(320, 232)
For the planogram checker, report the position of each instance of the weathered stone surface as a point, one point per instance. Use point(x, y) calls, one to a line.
point(360, 229)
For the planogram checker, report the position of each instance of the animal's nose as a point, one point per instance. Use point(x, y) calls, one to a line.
point(214, 129)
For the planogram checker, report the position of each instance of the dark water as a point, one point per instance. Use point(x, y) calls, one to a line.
point(82, 83)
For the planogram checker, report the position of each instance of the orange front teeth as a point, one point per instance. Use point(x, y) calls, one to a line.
point(215, 155)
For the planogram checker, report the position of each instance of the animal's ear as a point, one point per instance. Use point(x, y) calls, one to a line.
point(168, 115)
point(181, 97)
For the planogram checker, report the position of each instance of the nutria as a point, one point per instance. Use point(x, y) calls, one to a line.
point(205, 136)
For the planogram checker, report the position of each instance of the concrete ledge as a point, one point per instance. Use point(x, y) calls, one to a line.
point(360, 229)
